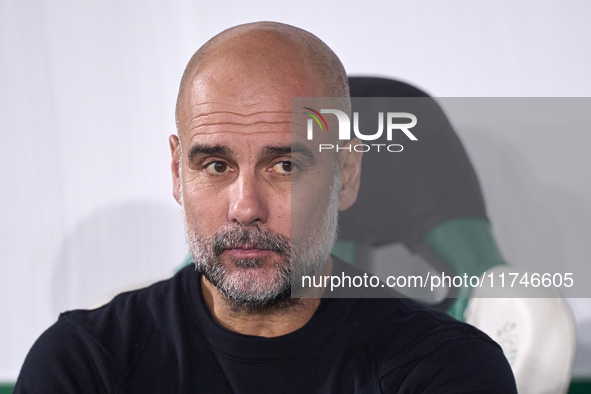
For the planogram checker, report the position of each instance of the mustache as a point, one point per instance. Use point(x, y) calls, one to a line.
point(253, 237)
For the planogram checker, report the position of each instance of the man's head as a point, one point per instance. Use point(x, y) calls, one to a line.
point(279, 48)
point(260, 204)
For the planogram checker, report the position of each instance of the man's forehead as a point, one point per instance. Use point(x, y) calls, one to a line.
point(215, 119)
point(241, 137)
point(253, 138)
point(252, 134)
point(210, 114)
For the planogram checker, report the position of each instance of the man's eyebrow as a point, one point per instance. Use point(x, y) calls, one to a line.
point(293, 148)
point(199, 149)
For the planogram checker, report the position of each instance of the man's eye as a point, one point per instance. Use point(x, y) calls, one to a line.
point(283, 167)
point(217, 167)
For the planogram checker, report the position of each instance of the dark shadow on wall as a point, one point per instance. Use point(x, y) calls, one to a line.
point(117, 245)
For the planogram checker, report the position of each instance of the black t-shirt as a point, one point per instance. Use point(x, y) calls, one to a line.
point(162, 339)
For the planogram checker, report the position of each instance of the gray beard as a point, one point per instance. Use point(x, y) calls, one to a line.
point(292, 260)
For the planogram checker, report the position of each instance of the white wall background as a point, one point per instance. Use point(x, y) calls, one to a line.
point(87, 93)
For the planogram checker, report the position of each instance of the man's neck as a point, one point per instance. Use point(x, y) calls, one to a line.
point(272, 322)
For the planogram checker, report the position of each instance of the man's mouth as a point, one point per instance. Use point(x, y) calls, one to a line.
point(249, 242)
point(248, 252)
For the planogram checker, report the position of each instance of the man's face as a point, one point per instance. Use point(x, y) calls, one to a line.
point(260, 205)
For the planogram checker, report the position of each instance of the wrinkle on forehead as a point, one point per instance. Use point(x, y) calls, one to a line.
point(243, 115)
point(230, 121)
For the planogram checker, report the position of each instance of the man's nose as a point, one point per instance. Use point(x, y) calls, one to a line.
point(248, 203)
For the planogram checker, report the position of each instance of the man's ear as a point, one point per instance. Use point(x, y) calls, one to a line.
point(175, 151)
point(350, 173)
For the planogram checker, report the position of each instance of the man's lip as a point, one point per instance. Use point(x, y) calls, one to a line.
point(247, 252)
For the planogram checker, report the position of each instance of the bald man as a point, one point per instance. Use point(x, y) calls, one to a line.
point(260, 206)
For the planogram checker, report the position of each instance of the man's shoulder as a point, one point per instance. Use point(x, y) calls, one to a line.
point(412, 342)
point(383, 307)
point(136, 307)
point(391, 316)
point(130, 317)
point(100, 346)
point(408, 327)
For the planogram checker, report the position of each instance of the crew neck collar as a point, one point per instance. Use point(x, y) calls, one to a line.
point(324, 323)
